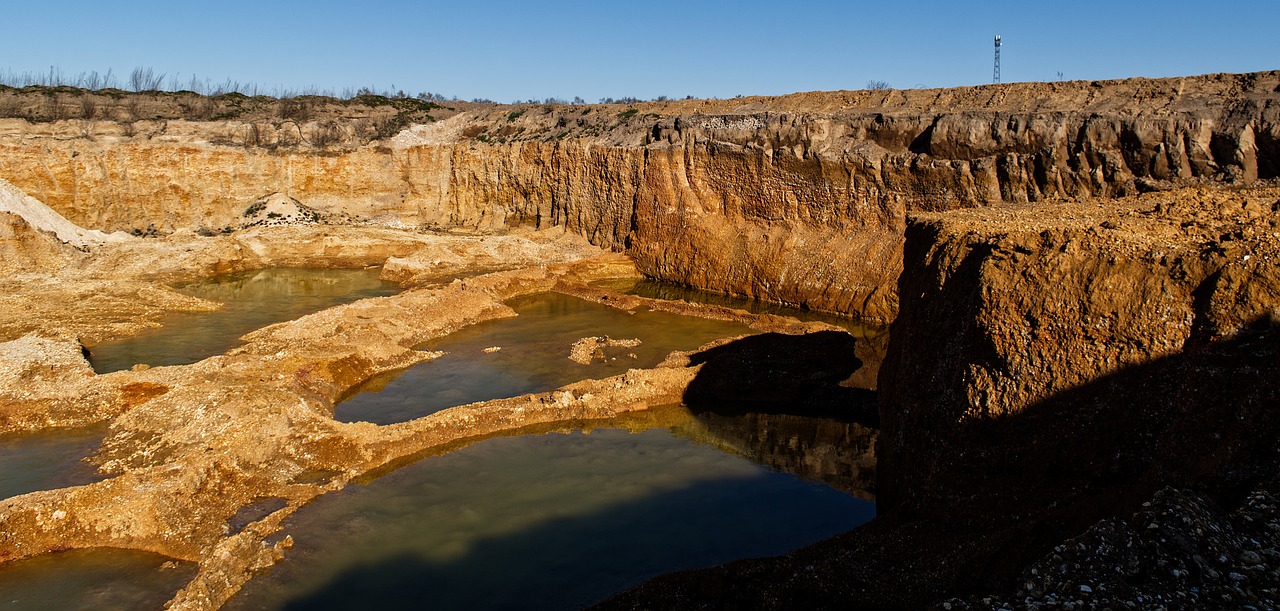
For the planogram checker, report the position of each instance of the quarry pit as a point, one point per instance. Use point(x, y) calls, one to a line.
point(1079, 281)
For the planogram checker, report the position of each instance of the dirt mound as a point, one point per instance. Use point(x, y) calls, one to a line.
point(277, 209)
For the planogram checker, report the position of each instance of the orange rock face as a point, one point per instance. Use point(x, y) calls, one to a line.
point(800, 199)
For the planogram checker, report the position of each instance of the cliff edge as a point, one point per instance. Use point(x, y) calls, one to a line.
point(800, 199)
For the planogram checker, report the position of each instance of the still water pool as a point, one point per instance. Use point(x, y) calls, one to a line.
point(657, 289)
point(92, 580)
point(252, 299)
point(552, 521)
point(532, 356)
point(48, 460)
point(539, 521)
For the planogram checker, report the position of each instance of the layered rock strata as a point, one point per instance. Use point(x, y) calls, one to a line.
point(800, 199)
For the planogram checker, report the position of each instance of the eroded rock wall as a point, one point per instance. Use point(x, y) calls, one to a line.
point(1103, 344)
point(800, 199)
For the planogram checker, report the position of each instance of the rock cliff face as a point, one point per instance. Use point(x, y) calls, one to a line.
point(1007, 308)
point(1053, 367)
point(800, 199)
point(1056, 366)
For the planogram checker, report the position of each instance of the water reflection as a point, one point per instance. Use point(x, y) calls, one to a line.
point(48, 460)
point(92, 579)
point(838, 454)
point(549, 521)
point(532, 356)
point(656, 289)
point(253, 299)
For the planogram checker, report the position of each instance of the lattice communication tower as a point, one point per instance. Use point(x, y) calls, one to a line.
point(995, 74)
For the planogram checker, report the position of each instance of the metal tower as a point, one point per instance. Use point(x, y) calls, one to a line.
point(995, 74)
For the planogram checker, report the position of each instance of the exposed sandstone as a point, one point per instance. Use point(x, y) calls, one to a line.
point(1053, 367)
point(799, 199)
point(1054, 364)
point(464, 255)
point(39, 216)
point(189, 447)
point(1014, 305)
point(24, 248)
point(590, 349)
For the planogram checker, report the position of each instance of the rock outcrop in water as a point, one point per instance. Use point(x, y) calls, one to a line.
point(208, 459)
point(800, 198)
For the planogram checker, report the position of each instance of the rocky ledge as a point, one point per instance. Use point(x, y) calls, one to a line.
point(1053, 369)
point(191, 447)
point(799, 199)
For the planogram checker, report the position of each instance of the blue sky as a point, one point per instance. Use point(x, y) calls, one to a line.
point(518, 50)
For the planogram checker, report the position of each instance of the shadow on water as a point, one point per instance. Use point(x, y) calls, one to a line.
point(252, 299)
point(543, 522)
point(538, 569)
point(774, 373)
point(992, 496)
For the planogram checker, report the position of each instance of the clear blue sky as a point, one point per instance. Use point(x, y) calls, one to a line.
point(507, 50)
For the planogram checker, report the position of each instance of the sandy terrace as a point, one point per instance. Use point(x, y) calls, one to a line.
point(189, 446)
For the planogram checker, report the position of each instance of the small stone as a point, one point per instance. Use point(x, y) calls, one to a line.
point(1086, 590)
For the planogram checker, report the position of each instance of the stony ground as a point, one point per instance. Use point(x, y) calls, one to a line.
point(1182, 551)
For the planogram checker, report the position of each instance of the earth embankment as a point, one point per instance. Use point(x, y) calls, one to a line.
point(800, 199)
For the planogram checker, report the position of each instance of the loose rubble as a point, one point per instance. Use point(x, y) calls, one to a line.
point(1180, 552)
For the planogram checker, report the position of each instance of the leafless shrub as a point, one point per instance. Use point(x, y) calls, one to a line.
point(10, 106)
point(53, 107)
point(294, 109)
point(145, 79)
point(130, 130)
point(133, 106)
point(253, 134)
point(94, 81)
point(325, 133)
point(388, 126)
point(88, 108)
point(289, 135)
point(875, 85)
point(363, 129)
point(197, 108)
